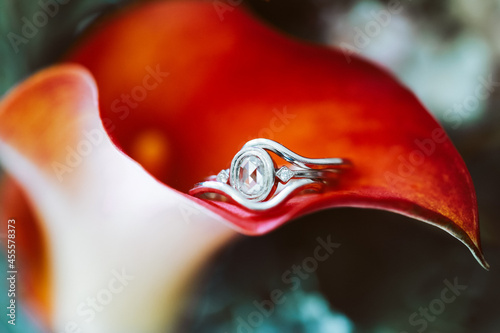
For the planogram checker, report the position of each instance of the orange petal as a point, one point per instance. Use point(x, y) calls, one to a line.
point(182, 90)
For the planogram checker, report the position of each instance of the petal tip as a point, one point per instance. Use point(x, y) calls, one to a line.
point(478, 254)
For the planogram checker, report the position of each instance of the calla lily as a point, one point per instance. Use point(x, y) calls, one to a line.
point(107, 164)
point(108, 205)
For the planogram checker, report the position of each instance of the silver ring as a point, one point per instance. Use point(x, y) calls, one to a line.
point(256, 183)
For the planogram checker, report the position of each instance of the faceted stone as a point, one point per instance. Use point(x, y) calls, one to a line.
point(284, 174)
point(223, 177)
point(250, 176)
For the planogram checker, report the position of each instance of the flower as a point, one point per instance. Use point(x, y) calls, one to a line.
point(179, 92)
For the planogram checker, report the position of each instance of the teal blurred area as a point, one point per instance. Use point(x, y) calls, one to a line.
point(36, 33)
point(23, 321)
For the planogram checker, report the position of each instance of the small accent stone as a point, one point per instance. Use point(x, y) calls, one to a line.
point(284, 174)
point(223, 177)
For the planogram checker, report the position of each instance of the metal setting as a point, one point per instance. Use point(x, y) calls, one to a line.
point(255, 182)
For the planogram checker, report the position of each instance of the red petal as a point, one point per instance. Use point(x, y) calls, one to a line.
point(32, 256)
point(235, 79)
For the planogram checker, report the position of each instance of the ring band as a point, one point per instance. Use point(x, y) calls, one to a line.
point(255, 182)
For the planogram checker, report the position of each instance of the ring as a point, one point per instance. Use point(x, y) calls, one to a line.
point(254, 181)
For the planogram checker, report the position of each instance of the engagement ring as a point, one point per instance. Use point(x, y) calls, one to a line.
point(256, 183)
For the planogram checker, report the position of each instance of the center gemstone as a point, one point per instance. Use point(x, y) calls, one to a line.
point(250, 176)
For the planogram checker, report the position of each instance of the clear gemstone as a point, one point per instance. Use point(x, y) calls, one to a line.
point(250, 176)
point(252, 173)
point(284, 174)
point(223, 176)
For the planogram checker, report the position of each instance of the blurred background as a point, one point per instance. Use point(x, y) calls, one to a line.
point(387, 267)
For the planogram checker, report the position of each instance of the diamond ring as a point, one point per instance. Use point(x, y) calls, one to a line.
point(254, 181)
